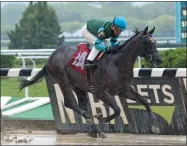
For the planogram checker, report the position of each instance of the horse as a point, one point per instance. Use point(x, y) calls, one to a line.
point(113, 76)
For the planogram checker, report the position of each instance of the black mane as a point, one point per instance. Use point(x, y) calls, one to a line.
point(136, 31)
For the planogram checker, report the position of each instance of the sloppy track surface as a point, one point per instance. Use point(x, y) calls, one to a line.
point(28, 137)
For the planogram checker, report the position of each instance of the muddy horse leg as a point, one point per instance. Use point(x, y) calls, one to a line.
point(110, 101)
point(69, 99)
point(83, 100)
point(132, 94)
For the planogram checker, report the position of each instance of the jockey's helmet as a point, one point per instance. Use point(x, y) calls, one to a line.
point(120, 22)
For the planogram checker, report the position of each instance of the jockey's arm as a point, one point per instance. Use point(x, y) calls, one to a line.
point(100, 46)
point(98, 43)
point(114, 41)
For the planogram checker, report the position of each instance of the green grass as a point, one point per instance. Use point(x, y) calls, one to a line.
point(29, 66)
point(10, 87)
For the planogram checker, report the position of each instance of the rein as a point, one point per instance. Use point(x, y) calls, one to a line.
point(129, 53)
point(124, 52)
point(147, 56)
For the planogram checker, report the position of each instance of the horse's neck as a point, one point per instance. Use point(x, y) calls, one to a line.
point(126, 58)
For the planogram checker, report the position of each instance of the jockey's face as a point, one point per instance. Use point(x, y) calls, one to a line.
point(116, 30)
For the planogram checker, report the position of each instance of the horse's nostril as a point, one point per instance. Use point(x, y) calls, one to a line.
point(158, 61)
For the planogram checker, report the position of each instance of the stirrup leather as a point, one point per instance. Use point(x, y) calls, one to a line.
point(89, 74)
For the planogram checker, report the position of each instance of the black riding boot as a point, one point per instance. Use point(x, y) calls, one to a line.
point(89, 75)
point(89, 65)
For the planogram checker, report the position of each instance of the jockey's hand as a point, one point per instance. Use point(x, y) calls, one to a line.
point(119, 43)
point(112, 49)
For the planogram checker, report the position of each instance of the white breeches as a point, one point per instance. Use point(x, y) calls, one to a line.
point(91, 39)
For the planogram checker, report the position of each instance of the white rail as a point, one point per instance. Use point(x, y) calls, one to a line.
point(37, 102)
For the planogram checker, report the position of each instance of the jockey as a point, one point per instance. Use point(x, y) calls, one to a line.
point(96, 31)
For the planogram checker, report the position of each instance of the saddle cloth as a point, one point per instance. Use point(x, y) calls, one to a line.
point(79, 57)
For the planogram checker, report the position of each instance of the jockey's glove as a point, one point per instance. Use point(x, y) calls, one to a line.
point(112, 49)
point(119, 43)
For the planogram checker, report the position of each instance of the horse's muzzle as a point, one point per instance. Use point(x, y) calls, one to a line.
point(148, 57)
point(156, 59)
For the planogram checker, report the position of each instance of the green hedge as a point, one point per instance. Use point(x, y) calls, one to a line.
point(12, 62)
point(29, 62)
point(7, 61)
point(172, 58)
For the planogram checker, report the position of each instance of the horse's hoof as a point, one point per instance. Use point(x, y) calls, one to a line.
point(154, 118)
point(102, 135)
point(155, 129)
point(85, 114)
point(92, 134)
point(89, 121)
point(99, 116)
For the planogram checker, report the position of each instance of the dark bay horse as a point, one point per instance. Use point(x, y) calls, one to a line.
point(113, 76)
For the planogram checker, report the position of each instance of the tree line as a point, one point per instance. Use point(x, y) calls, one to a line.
point(72, 15)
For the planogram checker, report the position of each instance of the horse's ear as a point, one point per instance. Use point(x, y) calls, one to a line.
point(152, 30)
point(146, 29)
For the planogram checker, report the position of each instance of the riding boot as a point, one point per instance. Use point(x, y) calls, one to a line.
point(89, 74)
point(89, 65)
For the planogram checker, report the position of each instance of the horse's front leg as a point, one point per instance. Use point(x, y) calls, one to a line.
point(132, 94)
point(110, 101)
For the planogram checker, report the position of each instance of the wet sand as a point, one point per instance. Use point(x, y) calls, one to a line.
point(25, 137)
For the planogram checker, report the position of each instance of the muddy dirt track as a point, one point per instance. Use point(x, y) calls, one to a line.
point(51, 138)
point(22, 132)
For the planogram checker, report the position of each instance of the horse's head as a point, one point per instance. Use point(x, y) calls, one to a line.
point(148, 49)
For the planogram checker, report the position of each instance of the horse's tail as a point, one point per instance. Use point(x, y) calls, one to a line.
point(37, 78)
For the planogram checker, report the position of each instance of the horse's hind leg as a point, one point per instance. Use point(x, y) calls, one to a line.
point(83, 100)
point(69, 99)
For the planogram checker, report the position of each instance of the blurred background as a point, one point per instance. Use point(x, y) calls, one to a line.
point(72, 16)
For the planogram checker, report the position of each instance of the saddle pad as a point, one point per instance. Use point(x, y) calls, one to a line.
point(79, 57)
